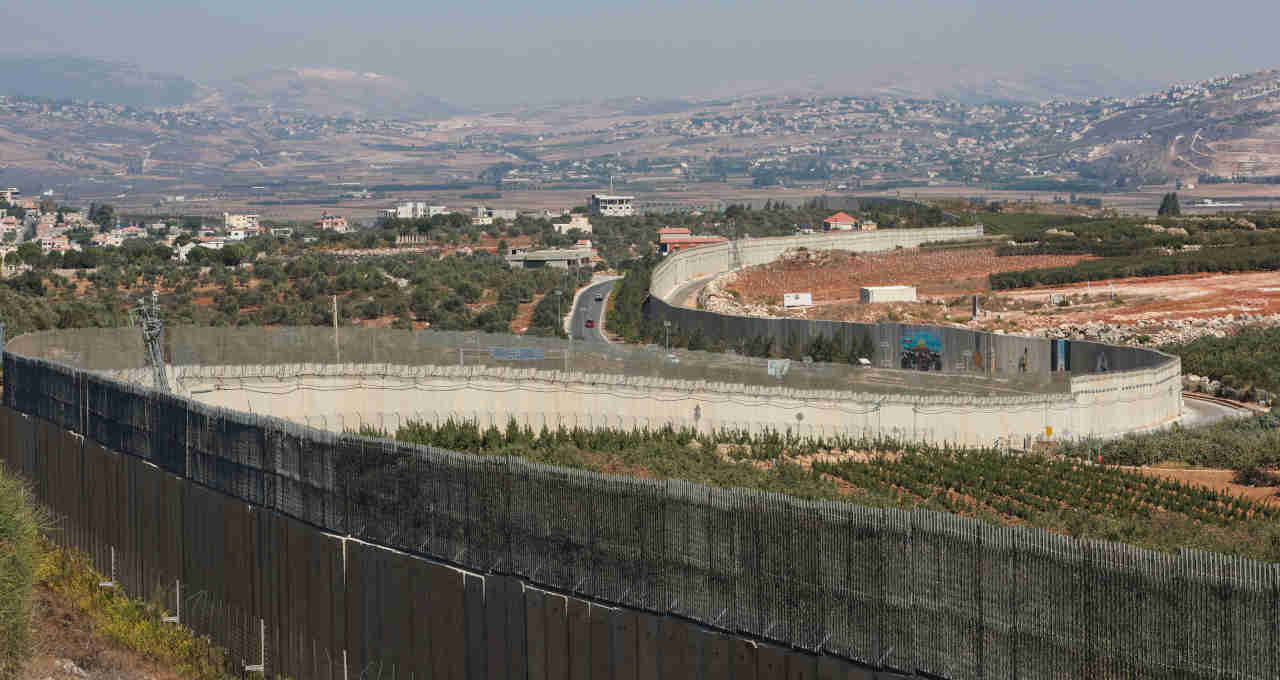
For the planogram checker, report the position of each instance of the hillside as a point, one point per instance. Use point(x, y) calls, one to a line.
point(1225, 127)
point(334, 92)
point(109, 82)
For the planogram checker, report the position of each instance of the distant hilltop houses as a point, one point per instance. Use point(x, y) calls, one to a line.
point(63, 229)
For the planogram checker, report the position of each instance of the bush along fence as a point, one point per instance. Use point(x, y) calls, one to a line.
point(277, 529)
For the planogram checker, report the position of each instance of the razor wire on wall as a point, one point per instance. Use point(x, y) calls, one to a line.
point(911, 591)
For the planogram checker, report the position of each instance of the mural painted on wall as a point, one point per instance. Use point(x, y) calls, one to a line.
point(921, 350)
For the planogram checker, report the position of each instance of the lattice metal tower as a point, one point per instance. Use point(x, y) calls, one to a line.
point(147, 317)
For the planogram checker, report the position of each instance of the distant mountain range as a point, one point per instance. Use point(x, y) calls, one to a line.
point(316, 91)
point(82, 78)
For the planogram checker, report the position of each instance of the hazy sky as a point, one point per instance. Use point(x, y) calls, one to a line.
point(497, 53)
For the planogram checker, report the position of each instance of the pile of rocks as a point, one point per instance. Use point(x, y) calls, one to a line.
point(715, 297)
point(1154, 332)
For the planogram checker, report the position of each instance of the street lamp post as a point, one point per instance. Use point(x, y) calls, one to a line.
point(666, 325)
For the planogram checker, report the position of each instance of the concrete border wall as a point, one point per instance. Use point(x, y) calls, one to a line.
point(1113, 389)
point(339, 398)
point(695, 263)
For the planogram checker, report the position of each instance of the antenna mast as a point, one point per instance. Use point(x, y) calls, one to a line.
point(148, 318)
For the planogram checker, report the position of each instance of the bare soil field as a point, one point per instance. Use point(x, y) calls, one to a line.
point(836, 276)
point(945, 279)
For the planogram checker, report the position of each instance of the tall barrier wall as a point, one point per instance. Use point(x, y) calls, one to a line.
point(1115, 389)
point(349, 397)
point(269, 510)
point(709, 260)
point(303, 603)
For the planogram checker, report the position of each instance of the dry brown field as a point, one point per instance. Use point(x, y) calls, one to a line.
point(835, 276)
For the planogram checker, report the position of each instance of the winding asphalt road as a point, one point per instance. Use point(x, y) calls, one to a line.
point(589, 308)
point(1200, 412)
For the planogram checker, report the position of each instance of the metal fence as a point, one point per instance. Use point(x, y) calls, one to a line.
point(910, 591)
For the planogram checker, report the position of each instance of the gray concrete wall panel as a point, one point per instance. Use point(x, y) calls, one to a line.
point(648, 647)
point(496, 600)
point(771, 663)
point(580, 637)
point(673, 649)
point(743, 659)
point(536, 627)
point(625, 626)
point(556, 625)
point(517, 635)
point(477, 652)
point(602, 660)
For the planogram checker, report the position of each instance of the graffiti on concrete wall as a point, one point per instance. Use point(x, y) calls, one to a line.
point(921, 350)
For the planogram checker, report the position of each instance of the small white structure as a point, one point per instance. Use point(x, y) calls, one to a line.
point(412, 210)
point(874, 294)
point(247, 222)
point(797, 300)
point(608, 205)
point(579, 222)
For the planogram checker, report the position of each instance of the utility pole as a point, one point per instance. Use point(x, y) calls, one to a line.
point(152, 338)
point(337, 348)
point(573, 273)
point(666, 325)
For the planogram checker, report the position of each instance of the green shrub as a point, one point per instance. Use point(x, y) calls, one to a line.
point(19, 555)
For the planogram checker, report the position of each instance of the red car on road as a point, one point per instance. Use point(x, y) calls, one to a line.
point(591, 323)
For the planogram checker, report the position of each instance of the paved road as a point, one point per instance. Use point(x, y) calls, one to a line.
point(588, 308)
point(680, 295)
point(1199, 412)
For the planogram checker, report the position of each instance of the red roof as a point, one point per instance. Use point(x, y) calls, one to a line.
point(840, 218)
point(673, 230)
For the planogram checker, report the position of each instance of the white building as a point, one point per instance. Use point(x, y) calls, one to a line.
point(481, 212)
point(412, 210)
point(333, 223)
point(246, 222)
point(609, 205)
point(873, 294)
point(579, 222)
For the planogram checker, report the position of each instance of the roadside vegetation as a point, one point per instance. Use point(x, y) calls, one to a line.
point(19, 559)
point(1067, 491)
point(133, 624)
point(1250, 447)
point(1247, 360)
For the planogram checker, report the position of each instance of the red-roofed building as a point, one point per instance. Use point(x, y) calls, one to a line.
point(672, 239)
point(841, 221)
